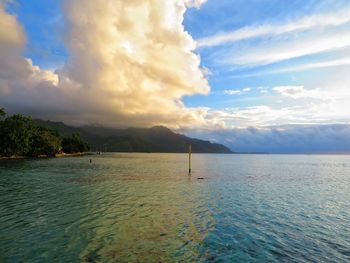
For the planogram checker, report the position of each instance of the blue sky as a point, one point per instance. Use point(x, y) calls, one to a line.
point(43, 23)
point(217, 17)
point(271, 65)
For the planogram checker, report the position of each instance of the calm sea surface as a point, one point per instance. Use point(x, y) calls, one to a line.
point(145, 208)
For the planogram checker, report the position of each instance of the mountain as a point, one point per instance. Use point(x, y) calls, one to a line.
point(155, 139)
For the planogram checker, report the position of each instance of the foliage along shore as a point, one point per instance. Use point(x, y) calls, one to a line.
point(58, 155)
point(21, 137)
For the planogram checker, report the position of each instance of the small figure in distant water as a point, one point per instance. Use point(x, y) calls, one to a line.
point(90, 160)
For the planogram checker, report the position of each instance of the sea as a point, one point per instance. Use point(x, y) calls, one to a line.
point(134, 207)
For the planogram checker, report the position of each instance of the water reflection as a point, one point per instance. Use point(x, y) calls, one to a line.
point(145, 208)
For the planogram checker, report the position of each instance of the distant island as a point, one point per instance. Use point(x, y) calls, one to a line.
point(22, 136)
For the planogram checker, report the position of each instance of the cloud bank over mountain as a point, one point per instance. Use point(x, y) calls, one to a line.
point(329, 138)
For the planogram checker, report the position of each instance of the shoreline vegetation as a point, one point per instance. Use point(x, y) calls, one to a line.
point(21, 137)
point(58, 155)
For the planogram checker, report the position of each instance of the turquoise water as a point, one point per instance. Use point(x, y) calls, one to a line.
point(145, 208)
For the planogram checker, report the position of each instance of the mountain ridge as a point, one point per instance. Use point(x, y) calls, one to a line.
point(155, 139)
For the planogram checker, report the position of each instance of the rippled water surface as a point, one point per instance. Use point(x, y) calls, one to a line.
point(145, 208)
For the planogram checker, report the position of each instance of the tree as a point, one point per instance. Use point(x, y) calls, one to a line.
point(45, 142)
point(74, 144)
point(2, 112)
point(21, 136)
point(16, 135)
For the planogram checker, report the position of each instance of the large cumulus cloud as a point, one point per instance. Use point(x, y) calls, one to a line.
point(129, 64)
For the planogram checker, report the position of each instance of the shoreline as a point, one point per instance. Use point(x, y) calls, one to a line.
point(59, 155)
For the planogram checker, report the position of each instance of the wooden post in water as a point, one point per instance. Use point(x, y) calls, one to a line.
point(189, 158)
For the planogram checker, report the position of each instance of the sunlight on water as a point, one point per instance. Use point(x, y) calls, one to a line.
point(145, 208)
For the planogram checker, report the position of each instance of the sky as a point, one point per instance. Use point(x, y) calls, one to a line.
point(256, 75)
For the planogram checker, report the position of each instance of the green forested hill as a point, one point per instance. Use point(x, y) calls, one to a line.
point(155, 139)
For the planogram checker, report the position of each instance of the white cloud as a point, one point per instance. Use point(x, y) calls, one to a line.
point(236, 91)
point(258, 116)
point(317, 65)
point(11, 33)
point(263, 90)
point(272, 43)
point(299, 68)
point(195, 3)
point(121, 71)
point(302, 24)
point(299, 92)
point(319, 102)
point(284, 49)
point(232, 92)
point(289, 90)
